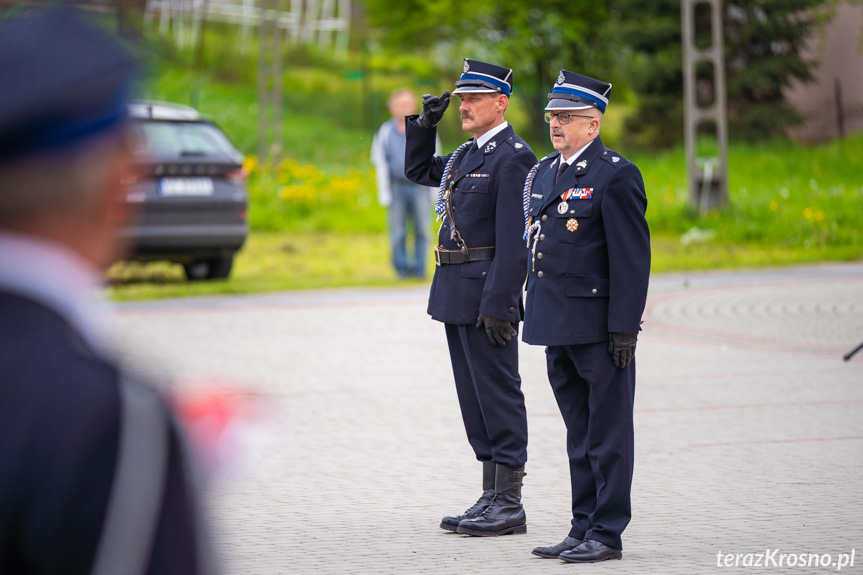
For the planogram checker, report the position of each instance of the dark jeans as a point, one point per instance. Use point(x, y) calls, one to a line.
point(410, 202)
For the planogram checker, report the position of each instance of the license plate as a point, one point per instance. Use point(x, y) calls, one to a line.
point(186, 186)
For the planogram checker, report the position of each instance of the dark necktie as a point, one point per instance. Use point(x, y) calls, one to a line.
point(469, 152)
point(561, 170)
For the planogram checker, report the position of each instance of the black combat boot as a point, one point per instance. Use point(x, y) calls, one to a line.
point(450, 523)
point(505, 514)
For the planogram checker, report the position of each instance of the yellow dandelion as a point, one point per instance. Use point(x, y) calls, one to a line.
point(286, 165)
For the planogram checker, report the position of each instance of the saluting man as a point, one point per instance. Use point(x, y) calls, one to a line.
point(588, 270)
point(477, 285)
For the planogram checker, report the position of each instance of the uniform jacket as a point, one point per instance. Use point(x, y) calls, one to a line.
point(487, 205)
point(59, 426)
point(590, 271)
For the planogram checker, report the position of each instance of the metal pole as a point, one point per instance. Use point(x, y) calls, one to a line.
point(708, 177)
point(269, 82)
point(264, 49)
point(840, 112)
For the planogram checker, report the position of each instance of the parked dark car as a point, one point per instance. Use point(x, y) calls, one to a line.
point(187, 191)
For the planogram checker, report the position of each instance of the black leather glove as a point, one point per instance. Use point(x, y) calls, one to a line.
point(621, 346)
point(499, 331)
point(433, 109)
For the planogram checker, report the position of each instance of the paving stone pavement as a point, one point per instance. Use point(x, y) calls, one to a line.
point(749, 435)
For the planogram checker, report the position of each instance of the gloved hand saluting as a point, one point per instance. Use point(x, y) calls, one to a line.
point(621, 346)
point(433, 109)
point(499, 331)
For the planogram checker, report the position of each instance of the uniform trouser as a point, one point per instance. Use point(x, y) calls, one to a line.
point(596, 401)
point(489, 394)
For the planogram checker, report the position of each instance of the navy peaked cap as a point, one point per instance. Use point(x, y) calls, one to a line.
point(573, 91)
point(485, 78)
point(63, 80)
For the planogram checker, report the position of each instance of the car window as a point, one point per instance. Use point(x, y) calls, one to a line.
point(180, 139)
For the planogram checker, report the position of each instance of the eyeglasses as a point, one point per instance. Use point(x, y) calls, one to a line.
point(562, 118)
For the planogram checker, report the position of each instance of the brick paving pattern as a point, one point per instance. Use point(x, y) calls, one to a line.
point(749, 433)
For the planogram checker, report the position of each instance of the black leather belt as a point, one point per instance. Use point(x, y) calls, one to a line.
point(446, 257)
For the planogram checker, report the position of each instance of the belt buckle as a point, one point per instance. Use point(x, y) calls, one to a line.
point(436, 256)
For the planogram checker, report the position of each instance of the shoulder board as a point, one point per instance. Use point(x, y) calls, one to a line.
point(517, 143)
point(613, 158)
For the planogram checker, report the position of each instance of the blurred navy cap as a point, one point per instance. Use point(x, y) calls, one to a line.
point(573, 91)
point(64, 80)
point(484, 78)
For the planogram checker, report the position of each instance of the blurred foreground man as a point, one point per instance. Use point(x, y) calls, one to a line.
point(93, 478)
point(477, 285)
point(586, 289)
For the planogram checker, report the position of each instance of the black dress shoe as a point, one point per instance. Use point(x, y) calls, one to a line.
point(554, 551)
point(590, 552)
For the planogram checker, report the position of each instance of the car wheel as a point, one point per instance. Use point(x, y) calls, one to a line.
point(197, 270)
point(220, 268)
point(214, 269)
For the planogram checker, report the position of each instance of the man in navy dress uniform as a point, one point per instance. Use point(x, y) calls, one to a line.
point(93, 477)
point(477, 285)
point(588, 270)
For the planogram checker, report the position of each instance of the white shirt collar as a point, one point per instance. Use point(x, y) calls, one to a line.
point(485, 138)
point(58, 278)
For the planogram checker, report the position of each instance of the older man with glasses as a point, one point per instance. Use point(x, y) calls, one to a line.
point(587, 280)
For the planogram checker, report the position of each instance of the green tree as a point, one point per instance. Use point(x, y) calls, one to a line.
point(534, 38)
point(763, 43)
point(652, 63)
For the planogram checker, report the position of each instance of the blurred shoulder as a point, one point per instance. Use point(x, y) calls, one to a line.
point(59, 378)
